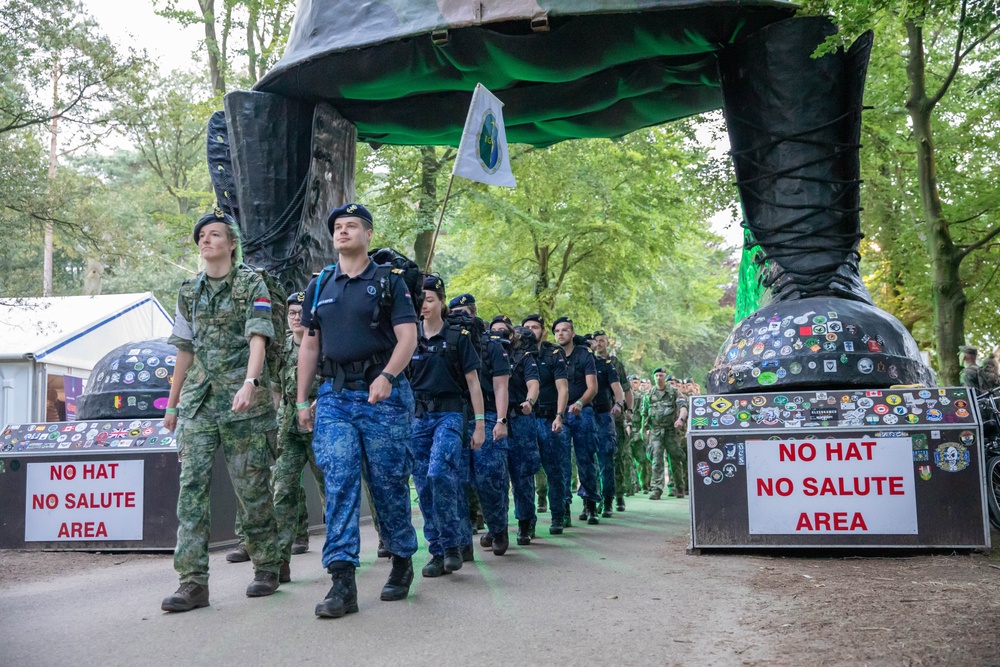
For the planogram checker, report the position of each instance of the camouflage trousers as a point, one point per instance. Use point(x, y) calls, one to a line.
point(626, 480)
point(664, 442)
point(492, 478)
point(523, 461)
point(553, 448)
point(583, 434)
point(606, 441)
point(296, 451)
point(640, 454)
point(249, 448)
point(350, 435)
point(437, 445)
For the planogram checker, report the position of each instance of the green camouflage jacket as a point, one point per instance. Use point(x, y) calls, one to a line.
point(664, 406)
point(215, 324)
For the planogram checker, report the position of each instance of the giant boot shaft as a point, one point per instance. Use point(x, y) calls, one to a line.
point(794, 123)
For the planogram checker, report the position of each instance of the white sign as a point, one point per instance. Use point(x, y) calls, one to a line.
point(83, 501)
point(838, 486)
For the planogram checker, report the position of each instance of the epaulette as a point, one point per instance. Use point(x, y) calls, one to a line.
point(398, 271)
point(465, 332)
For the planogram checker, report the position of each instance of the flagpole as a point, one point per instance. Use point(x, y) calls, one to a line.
point(430, 255)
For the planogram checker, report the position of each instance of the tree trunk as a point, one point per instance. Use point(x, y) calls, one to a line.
point(215, 69)
point(947, 289)
point(53, 161)
point(430, 167)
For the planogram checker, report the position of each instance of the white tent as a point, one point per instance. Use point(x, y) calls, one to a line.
point(65, 336)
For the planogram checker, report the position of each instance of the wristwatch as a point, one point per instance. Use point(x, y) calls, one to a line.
point(254, 381)
point(389, 376)
point(502, 420)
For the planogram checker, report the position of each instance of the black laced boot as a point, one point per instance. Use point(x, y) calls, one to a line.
point(343, 595)
point(524, 532)
point(398, 585)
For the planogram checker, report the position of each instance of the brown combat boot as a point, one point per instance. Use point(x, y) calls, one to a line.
point(189, 596)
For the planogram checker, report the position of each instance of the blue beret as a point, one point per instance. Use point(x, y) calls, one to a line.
point(296, 298)
point(434, 283)
point(215, 216)
point(462, 300)
point(349, 209)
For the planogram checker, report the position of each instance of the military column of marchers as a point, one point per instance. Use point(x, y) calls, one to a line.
point(385, 380)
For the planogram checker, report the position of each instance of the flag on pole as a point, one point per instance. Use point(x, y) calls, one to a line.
point(482, 153)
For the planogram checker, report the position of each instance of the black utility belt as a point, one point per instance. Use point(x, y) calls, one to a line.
point(354, 375)
point(426, 403)
point(601, 409)
point(546, 411)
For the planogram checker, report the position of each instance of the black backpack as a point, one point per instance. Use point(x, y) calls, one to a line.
point(388, 262)
point(455, 324)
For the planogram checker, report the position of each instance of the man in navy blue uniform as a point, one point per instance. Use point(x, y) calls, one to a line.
point(550, 414)
point(367, 333)
point(582, 378)
point(608, 404)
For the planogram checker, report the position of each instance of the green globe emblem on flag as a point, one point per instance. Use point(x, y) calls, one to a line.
point(489, 144)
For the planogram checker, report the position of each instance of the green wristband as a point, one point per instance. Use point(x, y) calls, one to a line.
point(171, 411)
point(480, 418)
point(303, 405)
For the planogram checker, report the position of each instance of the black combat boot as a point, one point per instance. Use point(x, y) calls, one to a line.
point(607, 508)
point(543, 505)
point(524, 532)
point(382, 551)
point(397, 587)
point(486, 541)
point(189, 596)
point(435, 567)
point(263, 584)
point(568, 517)
point(531, 530)
point(238, 554)
point(620, 504)
point(285, 573)
point(500, 542)
point(343, 596)
point(300, 545)
point(468, 554)
point(583, 512)
point(453, 559)
point(591, 512)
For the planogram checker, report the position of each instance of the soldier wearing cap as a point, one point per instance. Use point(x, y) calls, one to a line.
point(295, 448)
point(445, 373)
point(523, 460)
point(550, 414)
point(582, 379)
point(490, 474)
point(667, 412)
point(624, 468)
point(367, 334)
point(464, 305)
point(609, 403)
point(219, 397)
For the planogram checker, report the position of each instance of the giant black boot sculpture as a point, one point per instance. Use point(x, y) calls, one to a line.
point(794, 123)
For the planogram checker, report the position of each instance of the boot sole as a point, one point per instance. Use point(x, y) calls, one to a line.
point(523, 541)
point(180, 607)
point(237, 559)
point(336, 613)
point(593, 522)
point(435, 575)
point(261, 593)
point(394, 597)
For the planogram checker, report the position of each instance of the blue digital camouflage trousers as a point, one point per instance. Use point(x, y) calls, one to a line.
point(350, 433)
point(436, 445)
point(583, 434)
point(249, 447)
point(523, 461)
point(553, 449)
point(491, 477)
point(606, 438)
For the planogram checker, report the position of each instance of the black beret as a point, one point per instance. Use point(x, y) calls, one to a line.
point(462, 300)
point(534, 317)
point(502, 318)
point(600, 332)
point(560, 321)
point(350, 209)
point(215, 216)
point(296, 298)
point(588, 337)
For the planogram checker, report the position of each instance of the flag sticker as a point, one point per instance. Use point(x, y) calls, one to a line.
point(262, 304)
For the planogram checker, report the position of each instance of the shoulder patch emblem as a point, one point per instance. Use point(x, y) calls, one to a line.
point(398, 272)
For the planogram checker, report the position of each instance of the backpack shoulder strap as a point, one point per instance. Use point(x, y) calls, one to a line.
point(321, 279)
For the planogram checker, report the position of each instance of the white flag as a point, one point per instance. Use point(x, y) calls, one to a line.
point(482, 153)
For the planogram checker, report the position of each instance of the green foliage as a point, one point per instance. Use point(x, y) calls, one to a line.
point(610, 233)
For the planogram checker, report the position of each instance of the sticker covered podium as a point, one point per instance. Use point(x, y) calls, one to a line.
point(403, 71)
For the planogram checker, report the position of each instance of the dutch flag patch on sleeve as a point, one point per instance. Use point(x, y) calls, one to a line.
point(262, 304)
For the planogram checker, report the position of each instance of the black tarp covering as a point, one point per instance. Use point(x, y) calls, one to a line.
point(601, 69)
